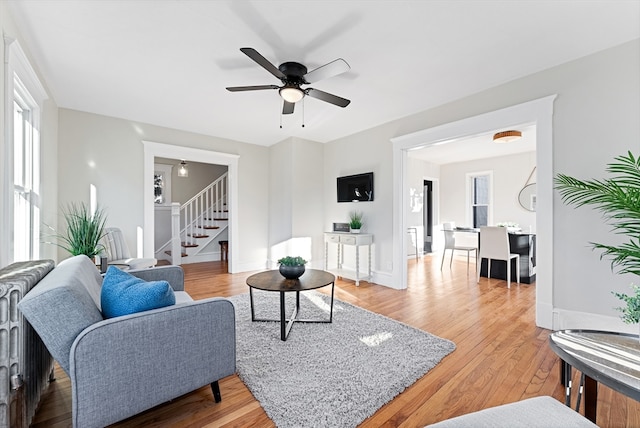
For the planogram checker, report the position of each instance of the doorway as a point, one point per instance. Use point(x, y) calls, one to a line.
point(153, 150)
point(538, 112)
point(427, 215)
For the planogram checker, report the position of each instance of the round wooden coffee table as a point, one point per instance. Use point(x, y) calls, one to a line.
point(272, 280)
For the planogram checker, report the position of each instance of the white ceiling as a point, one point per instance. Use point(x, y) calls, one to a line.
point(476, 147)
point(168, 62)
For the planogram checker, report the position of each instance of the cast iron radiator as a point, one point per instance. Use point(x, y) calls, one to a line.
point(25, 363)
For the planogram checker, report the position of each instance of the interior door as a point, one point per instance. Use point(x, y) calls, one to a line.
point(427, 216)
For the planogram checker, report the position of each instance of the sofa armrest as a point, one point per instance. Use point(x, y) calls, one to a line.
point(122, 366)
point(173, 274)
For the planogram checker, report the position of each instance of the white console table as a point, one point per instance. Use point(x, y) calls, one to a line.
point(352, 239)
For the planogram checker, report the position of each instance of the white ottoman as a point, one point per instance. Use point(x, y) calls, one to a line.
point(538, 412)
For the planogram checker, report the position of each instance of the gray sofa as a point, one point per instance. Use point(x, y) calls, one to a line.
point(122, 366)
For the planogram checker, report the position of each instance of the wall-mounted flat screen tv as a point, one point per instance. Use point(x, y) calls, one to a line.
point(354, 188)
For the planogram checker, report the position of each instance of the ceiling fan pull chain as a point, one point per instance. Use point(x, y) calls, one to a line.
point(303, 112)
point(281, 120)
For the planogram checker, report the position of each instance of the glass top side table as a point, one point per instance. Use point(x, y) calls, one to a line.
point(612, 359)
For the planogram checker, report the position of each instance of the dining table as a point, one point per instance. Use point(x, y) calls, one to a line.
point(522, 243)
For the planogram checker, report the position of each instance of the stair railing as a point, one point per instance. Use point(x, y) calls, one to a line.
point(189, 220)
point(200, 210)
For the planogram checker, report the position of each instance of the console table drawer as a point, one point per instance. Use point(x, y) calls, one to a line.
point(333, 238)
point(349, 240)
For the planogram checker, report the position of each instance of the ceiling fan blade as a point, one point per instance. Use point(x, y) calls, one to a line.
point(331, 69)
point(287, 107)
point(251, 88)
point(325, 96)
point(265, 63)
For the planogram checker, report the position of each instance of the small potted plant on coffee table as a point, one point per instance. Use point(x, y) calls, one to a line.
point(291, 267)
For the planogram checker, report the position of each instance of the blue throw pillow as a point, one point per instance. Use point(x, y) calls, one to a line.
point(123, 294)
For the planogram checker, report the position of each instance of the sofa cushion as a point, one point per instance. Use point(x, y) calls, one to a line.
point(60, 306)
point(124, 294)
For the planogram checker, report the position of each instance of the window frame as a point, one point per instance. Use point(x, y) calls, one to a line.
point(166, 171)
point(24, 89)
point(470, 177)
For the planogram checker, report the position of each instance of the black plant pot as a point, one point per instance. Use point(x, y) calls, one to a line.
point(291, 272)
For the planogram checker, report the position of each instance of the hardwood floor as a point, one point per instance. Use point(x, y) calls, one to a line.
point(501, 355)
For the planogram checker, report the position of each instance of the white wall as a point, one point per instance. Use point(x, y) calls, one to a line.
point(296, 201)
point(115, 146)
point(595, 118)
point(280, 212)
point(509, 176)
point(49, 175)
point(367, 151)
point(200, 176)
point(308, 196)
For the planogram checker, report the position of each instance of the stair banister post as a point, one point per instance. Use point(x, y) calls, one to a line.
point(190, 222)
point(217, 199)
point(197, 208)
point(212, 204)
point(176, 251)
point(205, 210)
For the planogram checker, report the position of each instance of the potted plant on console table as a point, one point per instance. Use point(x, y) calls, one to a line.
point(291, 267)
point(355, 221)
point(618, 199)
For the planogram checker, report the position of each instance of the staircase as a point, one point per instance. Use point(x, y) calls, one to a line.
point(196, 224)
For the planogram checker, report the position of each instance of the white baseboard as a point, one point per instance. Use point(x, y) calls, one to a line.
point(249, 266)
point(565, 319)
point(202, 257)
point(544, 315)
point(384, 278)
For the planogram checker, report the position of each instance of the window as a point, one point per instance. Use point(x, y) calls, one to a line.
point(480, 198)
point(26, 200)
point(21, 182)
point(162, 184)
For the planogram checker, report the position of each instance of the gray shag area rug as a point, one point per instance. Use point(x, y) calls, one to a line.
point(328, 375)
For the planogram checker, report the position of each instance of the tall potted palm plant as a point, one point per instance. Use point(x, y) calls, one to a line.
point(618, 198)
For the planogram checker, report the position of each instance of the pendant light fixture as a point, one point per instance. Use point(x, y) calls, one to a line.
point(183, 171)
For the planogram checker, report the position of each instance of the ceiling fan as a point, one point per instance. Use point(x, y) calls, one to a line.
point(293, 75)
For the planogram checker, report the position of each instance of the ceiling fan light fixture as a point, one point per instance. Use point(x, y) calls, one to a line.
point(291, 94)
point(507, 136)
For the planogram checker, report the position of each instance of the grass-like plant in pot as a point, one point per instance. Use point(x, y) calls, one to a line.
point(618, 198)
point(355, 221)
point(291, 267)
point(83, 231)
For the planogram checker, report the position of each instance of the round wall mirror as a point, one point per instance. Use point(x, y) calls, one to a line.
point(527, 197)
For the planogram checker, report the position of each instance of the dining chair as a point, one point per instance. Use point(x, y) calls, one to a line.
point(494, 245)
point(450, 244)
